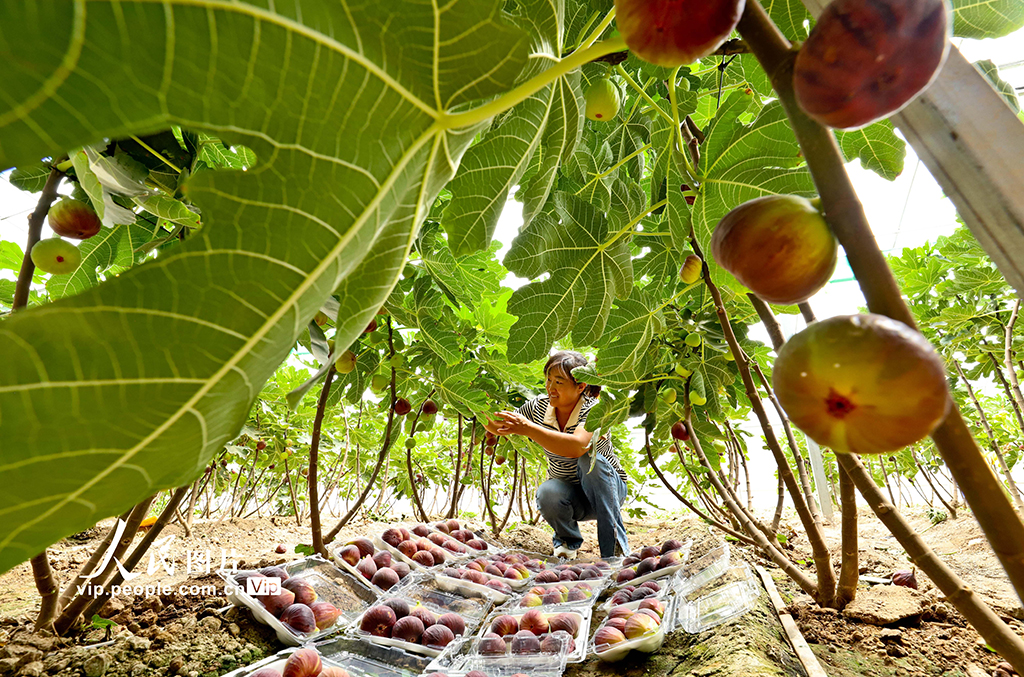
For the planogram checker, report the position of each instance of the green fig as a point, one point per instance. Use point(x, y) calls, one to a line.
point(346, 362)
point(56, 256)
point(602, 101)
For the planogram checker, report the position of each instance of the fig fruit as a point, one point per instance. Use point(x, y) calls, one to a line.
point(345, 363)
point(692, 339)
point(505, 625)
point(367, 568)
point(266, 672)
point(669, 559)
point(906, 579)
point(676, 32)
point(400, 568)
point(371, 327)
point(421, 530)
point(654, 605)
point(392, 537)
point(350, 554)
point(299, 618)
point(304, 592)
point(690, 272)
point(385, 578)
point(547, 576)
point(429, 408)
point(438, 636)
point(408, 629)
point(334, 671)
point(382, 559)
point(454, 623)
point(424, 614)
point(501, 586)
point(864, 384)
point(423, 558)
point(670, 545)
point(625, 575)
point(620, 612)
point(553, 596)
point(378, 621)
point(276, 604)
point(640, 593)
point(280, 549)
point(302, 663)
point(525, 643)
point(608, 636)
point(639, 625)
point(365, 546)
point(492, 644)
point(408, 548)
point(564, 621)
point(668, 395)
point(531, 599)
point(379, 382)
point(577, 595)
point(275, 572)
point(602, 100)
point(399, 606)
point(534, 621)
point(646, 566)
point(499, 460)
point(778, 246)
point(653, 585)
point(477, 544)
point(56, 256)
point(680, 432)
point(325, 614)
point(402, 406)
point(864, 61)
point(73, 218)
point(617, 623)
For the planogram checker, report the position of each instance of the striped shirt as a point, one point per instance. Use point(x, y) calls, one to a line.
point(540, 411)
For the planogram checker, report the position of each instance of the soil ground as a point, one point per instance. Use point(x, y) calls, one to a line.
point(195, 635)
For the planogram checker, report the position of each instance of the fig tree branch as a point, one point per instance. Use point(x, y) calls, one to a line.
point(35, 229)
point(843, 211)
point(314, 455)
point(849, 571)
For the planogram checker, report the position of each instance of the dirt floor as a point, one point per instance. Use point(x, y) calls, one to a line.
point(197, 635)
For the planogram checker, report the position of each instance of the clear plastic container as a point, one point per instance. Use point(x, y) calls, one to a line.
point(519, 656)
point(470, 589)
point(684, 554)
point(590, 588)
point(398, 663)
point(721, 604)
point(647, 643)
point(582, 616)
point(348, 592)
point(473, 552)
point(703, 570)
point(471, 611)
point(402, 580)
point(664, 589)
point(355, 665)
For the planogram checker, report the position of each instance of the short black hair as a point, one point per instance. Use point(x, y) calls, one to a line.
point(567, 360)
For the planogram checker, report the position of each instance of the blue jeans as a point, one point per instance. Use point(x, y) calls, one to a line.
point(598, 496)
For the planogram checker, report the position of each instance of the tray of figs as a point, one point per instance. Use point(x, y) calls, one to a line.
point(418, 627)
point(653, 562)
point(461, 531)
point(421, 552)
point(635, 593)
point(303, 600)
point(307, 662)
point(523, 653)
point(541, 622)
point(636, 625)
point(378, 567)
point(569, 593)
point(592, 571)
point(335, 647)
point(514, 570)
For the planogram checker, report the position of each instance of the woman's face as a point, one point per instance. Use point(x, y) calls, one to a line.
point(562, 391)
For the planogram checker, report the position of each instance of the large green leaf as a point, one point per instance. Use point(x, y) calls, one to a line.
point(986, 18)
point(877, 147)
point(132, 386)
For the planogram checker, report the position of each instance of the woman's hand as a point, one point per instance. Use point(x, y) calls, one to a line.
point(511, 423)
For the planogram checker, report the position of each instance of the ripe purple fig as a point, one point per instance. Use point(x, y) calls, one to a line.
point(505, 625)
point(906, 579)
point(421, 530)
point(653, 585)
point(646, 566)
point(492, 644)
point(649, 551)
point(276, 604)
point(676, 32)
point(564, 621)
point(304, 592)
point(275, 572)
point(438, 636)
point(299, 618)
point(606, 637)
point(454, 623)
point(350, 554)
point(625, 575)
point(400, 568)
point(525, 643)
point(620, 612)
point(365, 546)
point(640, 593)
point(382, 559)
point(302, 663)
point(424, 614)
point(385, 578)
point(402, 406)
point(366, 568)
point(266, 672)
point(501, 586)
point(73, 218)
point(617, 623)
point(670, 545)
point(864, 61)
point(669, 559)
point(399, 606)
point(429, 408)
point(378, 621)
point(577, 595)
point(654, 605)
point(408, 629)
point(392, 537)
point(534, 621)
point(477, 544)
point(325, 614)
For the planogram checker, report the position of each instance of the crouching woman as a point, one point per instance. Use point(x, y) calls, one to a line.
point(578, 489)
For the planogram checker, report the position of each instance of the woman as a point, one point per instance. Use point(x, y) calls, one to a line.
point(573, 491)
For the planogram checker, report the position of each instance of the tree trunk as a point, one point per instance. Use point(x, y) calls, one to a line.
point(314, 456)
point(849, 571)
point(458, 470)
point(46, 584)
point(928, 479)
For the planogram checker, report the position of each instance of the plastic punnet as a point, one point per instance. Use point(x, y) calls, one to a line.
point(646, 643)
point(702, 571)
point(472, 611)
point(583, 616)
point(350, 594)
point(684, 554)
point(721, 605)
